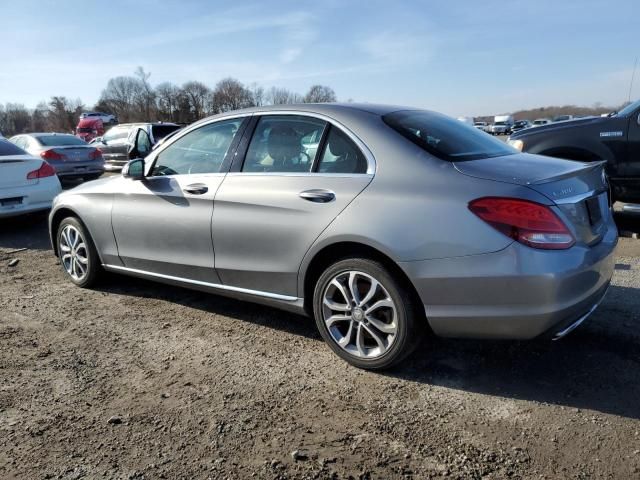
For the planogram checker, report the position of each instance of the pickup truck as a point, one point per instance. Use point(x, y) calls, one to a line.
point(614, 138)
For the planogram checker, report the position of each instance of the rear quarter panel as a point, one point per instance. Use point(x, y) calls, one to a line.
point(416, 207)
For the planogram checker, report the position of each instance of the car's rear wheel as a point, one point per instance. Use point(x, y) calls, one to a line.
point(365, 314)
point(78, 255)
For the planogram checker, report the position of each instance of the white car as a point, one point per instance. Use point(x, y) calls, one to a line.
point(27, 184)
point(107, 118)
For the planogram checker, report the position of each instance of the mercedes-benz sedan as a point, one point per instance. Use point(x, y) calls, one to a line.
point(380, 222)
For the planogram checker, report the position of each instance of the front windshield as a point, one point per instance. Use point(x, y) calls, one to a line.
point(629, 109)
point(445, 137)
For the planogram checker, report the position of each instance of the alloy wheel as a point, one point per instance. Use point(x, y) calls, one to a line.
point(359, 314)
point(73, 253)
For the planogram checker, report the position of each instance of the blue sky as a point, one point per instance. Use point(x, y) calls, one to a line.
point(465, 57)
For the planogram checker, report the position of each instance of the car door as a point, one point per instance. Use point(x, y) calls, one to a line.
point(282, 192)
point(631, 167)
point(162, 224)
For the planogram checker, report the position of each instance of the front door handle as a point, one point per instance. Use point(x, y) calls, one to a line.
point(318, 195)
point(196, 189)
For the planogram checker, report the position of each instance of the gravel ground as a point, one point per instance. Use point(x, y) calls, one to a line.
point(139, 380)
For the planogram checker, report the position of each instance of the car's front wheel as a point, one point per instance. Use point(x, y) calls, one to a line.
point(366, 314)
point(78, 255)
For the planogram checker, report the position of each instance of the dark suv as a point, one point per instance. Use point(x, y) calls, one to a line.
point(614, 139)
point(115, 143)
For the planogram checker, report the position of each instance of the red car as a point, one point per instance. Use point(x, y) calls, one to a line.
point(89, 128)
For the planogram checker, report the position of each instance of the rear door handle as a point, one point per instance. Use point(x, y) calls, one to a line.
point(196, 189)
point(318, 195)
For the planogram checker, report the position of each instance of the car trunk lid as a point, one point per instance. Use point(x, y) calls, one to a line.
point(75, 153)
point(14, 170)
point(579, 190)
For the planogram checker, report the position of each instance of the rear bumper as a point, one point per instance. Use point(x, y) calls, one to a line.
point(516, 293)
point(78, 169)
point(34, 198)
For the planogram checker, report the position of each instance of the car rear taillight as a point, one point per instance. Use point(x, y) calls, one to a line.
point(44, 171)
point(51, 155)
point(95, 155)
point(529, 223)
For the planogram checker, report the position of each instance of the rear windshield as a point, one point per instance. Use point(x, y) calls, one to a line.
point(59, 140)
point(445, 137)
point(8, 148)
point(161, 131)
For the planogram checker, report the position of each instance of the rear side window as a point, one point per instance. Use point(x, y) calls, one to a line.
point(285, 143)
point(58, 140)
point(8, 148)
point(341, 155)
point(161, 131)
point(444, 137)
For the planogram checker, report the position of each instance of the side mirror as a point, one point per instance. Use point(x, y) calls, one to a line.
point(638, 119)
point(134, 169)
point(139, 145)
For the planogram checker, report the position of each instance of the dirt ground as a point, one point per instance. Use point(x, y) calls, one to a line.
point(139, 380)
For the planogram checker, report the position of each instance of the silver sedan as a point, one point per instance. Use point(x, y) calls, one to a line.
point(380, 222)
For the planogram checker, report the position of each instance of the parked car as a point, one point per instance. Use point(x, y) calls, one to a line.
point(540, 122)
point(106, 118)
point(403, 219)
point(89, 128)
point(481, 126)
point(70, 156)
point(27, 184)
point(115, 143)
point(614, 139)
point(501, 125)
point(520, 125)
point(562, 118)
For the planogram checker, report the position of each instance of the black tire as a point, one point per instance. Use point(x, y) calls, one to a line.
point(409, 322)
point(93, 267)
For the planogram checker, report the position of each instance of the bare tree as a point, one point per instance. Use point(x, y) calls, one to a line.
point(282, 96)
point(320, 94)
point(14, 118)
point(63, 114)
point(258, 95)
point(146, 96)
point(120, 98)
point(168, 101)
point(230, 94)
point(197, 95)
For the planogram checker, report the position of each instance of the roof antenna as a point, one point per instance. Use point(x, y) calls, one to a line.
point(633, 74)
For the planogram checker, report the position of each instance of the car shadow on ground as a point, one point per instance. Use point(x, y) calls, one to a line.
point(26, 231)
point(597, 367)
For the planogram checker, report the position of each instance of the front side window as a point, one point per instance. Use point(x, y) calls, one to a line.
point(161, 131)
point(341, 155)
point(444, 137)
point(200, 151)
point(284, 143)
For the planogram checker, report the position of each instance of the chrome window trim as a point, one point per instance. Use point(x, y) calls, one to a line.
point(371, 161)
point(299, 174)
point(258, 293)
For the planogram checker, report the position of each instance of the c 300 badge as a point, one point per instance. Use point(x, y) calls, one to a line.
point(617, 133)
